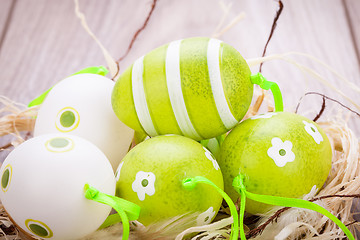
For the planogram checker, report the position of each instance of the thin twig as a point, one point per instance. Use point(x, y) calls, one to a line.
point(135, 37)
point(139, 31)
point(349, 224)
point(321, 111)
point(335, 195)
point(278, 13)
point(328, 98)
point(6, 146)
point(27, 136)
point(256, 231)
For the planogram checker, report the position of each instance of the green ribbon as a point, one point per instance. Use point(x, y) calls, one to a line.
point(132, 210)
point(241, 216)
point(38, 100)
point(260, 80)
point(190, 183)
point(238, 184)
point(101, 70)
point(123, 207)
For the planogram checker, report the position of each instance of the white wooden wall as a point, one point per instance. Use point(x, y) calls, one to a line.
point(42, 41)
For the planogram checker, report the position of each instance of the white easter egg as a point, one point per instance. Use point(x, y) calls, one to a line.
point(81, 105)
point(42, 186)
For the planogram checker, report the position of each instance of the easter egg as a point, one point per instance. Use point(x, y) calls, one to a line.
point(151, 176)
point(279, 154)
point(214, 144)
point(197, 87)
point(42, 186)
point(81, 105)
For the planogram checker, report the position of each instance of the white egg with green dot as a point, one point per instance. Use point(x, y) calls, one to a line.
point(42, 186)
point(81, 105)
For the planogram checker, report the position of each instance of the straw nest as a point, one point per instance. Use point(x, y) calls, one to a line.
point(339, 194)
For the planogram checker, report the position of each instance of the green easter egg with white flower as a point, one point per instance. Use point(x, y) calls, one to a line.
point(151, 175)
point(197, 87)
point(279, 154)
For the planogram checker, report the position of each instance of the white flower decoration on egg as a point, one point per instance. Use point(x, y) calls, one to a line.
point(281, 152)
point(117, 174)
point(266, 115)
point(209, 155)
point(205, 217)
point(144, 184)
point(313, 131)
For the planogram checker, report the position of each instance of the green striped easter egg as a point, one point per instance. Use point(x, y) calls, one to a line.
point(197, 87)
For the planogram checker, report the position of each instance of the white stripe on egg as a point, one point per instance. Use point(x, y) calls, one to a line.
point(140, 103)
point(173, 80)
point(213, 58)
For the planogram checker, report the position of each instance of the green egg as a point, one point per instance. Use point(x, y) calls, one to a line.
point(151, 175)
point(279, 154)
point(197, 87)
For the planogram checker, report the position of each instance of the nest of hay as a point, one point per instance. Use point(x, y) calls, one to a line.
point(339, 195)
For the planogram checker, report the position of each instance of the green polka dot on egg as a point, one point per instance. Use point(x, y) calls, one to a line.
point(59, 142)
point(38, 228)
point(67, 119)
point(5, 178)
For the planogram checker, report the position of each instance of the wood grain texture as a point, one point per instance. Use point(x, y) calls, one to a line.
point(45, 42)
point(5, 15)
point(352, 8)
point(318, 28)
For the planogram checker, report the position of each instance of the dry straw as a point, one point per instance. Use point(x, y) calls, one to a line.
point(16, 120)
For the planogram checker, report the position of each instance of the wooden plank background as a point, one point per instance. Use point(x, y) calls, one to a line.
point(43, 41)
